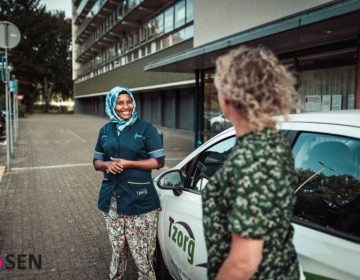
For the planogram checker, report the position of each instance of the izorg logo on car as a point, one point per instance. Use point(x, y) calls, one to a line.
point(181, 234)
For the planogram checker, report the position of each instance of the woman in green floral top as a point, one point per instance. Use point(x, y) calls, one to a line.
point(248, 204)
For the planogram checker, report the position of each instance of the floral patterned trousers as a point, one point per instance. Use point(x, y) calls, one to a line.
point(134, 232)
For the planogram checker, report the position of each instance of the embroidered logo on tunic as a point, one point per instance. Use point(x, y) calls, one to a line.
point(136, 136)
point(141, 192)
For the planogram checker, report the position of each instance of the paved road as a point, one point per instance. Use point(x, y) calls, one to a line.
point(49, 201)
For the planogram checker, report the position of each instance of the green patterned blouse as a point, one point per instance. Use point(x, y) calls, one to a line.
point(252, 195)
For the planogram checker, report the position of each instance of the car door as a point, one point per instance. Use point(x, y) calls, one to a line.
point(182, 227)
point(327, 210)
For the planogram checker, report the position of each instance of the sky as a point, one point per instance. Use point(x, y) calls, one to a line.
point(64, 5)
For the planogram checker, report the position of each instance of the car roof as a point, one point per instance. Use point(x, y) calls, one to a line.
point(343, 117)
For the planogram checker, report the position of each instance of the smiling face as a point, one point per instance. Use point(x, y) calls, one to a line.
point(124, 106)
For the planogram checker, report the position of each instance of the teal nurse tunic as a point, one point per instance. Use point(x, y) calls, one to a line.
point(134, 188)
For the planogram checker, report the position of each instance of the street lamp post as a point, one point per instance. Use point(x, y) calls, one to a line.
point(16, 108)
point(7, 120)
point(14, 118)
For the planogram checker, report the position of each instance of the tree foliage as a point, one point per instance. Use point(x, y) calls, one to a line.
point(42, 60)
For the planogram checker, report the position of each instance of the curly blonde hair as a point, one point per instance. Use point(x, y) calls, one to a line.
point(257, 84)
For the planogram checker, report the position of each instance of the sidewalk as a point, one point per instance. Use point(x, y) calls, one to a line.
point(49, 200)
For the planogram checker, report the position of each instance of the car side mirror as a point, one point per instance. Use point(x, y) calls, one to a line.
point(171, 180)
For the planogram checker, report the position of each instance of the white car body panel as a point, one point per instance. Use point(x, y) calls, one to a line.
point(182, 246)
point(326, 255)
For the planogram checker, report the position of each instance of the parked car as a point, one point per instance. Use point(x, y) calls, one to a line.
point(208, 115)
point(219, 123)
point(326, 149)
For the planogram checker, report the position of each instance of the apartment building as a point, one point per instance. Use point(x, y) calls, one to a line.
point(114, 40)
point(317, 39)
point(165, 51)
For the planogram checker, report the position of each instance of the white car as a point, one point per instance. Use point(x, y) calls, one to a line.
point(219, 123)
point(326, 149)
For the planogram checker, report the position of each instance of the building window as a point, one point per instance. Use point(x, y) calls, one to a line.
point(124, 45)
point(132, 4)
point(129, 57)
point(189, 10)
point(179, 13)
point(136, 54)
point(158, 45)
point(169, 19)
point(153, 47)
point(119, 48)
point(178, 36)
point(119, 12)
point(327, 82)
point(148, 48)
point(214, 121)
point(143, 51)
point(111, 20)
point(144, 33)
point(167, 41)
point(136, 37)
point(189, 32)
point(130, 41)
point(159, 24)
point(152, 28)
point(114, 17)
point(183, 34)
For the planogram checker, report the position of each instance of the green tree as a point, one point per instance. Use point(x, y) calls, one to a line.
point(42, 60)
point(55, 62)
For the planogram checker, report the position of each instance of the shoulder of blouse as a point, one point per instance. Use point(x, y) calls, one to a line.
point(105, 126)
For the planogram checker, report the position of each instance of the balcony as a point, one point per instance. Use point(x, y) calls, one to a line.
point(90, 24)
point(134, 18)
point(83, 9)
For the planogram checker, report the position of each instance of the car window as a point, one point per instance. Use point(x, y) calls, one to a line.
point(328, 192)
point(186, 168)
point(209, 161)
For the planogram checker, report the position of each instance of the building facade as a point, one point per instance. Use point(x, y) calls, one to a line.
point(165, 51)
point(114, 40)
point(317, 39)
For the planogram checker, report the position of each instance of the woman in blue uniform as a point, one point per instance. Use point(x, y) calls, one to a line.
point(126, 151)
